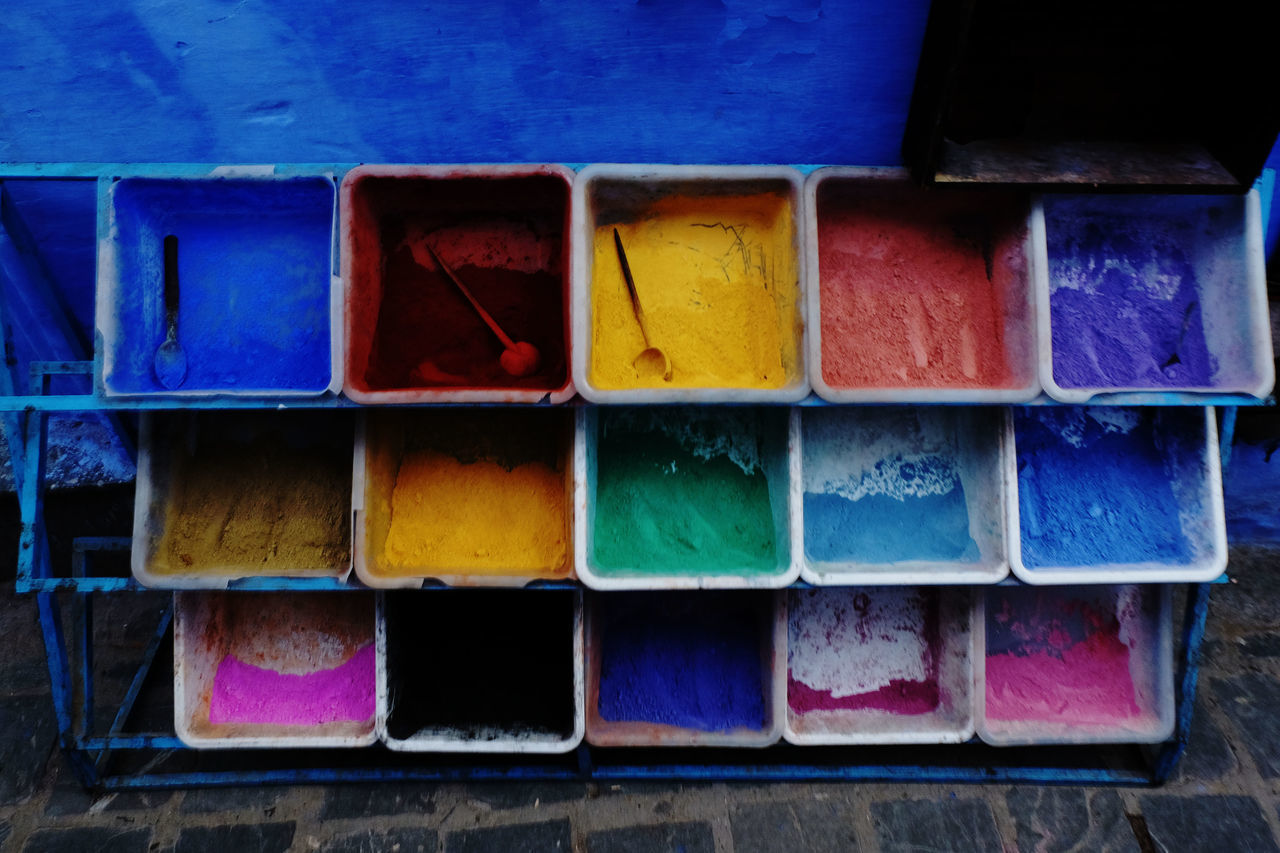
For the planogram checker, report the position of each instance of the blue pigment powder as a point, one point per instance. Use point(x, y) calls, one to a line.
point(254, 258)
point(688, 660)
point(884, 486)
point(1097, 485)
point(1125, 282)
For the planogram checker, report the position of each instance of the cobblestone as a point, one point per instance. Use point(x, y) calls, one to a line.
point(950, 827)
point(1207, 824)
point(515, 838)
point(667, 838)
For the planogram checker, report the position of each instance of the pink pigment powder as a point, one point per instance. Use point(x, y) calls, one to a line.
point(920, 290)
point(1089, 685)
point(243, 693)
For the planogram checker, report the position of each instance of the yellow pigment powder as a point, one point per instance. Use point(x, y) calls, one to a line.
point(261, 508)
point(717, 279)
point(477, 517)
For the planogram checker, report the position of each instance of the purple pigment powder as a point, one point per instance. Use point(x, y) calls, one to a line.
point(244, 693)
point(1124, 283)
point(863, 649)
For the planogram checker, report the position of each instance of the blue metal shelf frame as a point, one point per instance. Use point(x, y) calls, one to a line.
point(24, 418)
point(70, 669)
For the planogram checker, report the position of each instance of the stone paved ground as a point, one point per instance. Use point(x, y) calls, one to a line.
point(1226, 795)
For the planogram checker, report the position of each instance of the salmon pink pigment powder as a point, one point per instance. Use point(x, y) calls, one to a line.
point(920, 290)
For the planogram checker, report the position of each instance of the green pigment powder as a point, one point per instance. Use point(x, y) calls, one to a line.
point(683, 492)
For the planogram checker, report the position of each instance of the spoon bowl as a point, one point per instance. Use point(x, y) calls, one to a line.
point(653, 361)
point(521, 360)
point(171, 364)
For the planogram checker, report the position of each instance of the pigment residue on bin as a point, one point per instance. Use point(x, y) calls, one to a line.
point(692, 661)
point(685, 491)
point(244, 693)
point(264, 495)
point(1052, 657)
point(717, 278)
point(918, 290)
point(1125, 294)
point(883, 485)
point(1100, 485)
point(480, 665)
point(872, 648)
point(483, 493)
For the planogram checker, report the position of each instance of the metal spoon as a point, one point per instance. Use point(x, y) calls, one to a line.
point(651, 358)
point(170, 361)
point(519, 358)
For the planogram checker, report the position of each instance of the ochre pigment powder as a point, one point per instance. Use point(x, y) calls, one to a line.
point(263, 507)
point(717, 279)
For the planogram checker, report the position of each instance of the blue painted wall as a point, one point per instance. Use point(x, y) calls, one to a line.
point(1271, 211)
point(789, 81)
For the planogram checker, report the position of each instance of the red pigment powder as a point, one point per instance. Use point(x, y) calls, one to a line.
point(428, 335)
point(897, 697)
point(915, 289)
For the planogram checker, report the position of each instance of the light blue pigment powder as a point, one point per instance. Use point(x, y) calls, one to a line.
point(883, 486)
point(1096, 485)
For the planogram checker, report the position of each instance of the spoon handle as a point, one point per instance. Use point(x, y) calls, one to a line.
point(631, 287)
point(484, 315)
point(171, 285)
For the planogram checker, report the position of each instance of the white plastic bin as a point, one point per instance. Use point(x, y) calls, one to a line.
point(223, 495)
point(686, 669)
point(877, 665)
point(256, 302)
point(685, 497)
point(503, 231)
point(903, 495)
point(454, 473)
point(1109, 494)
point(481, 671)
point(1151, 298)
